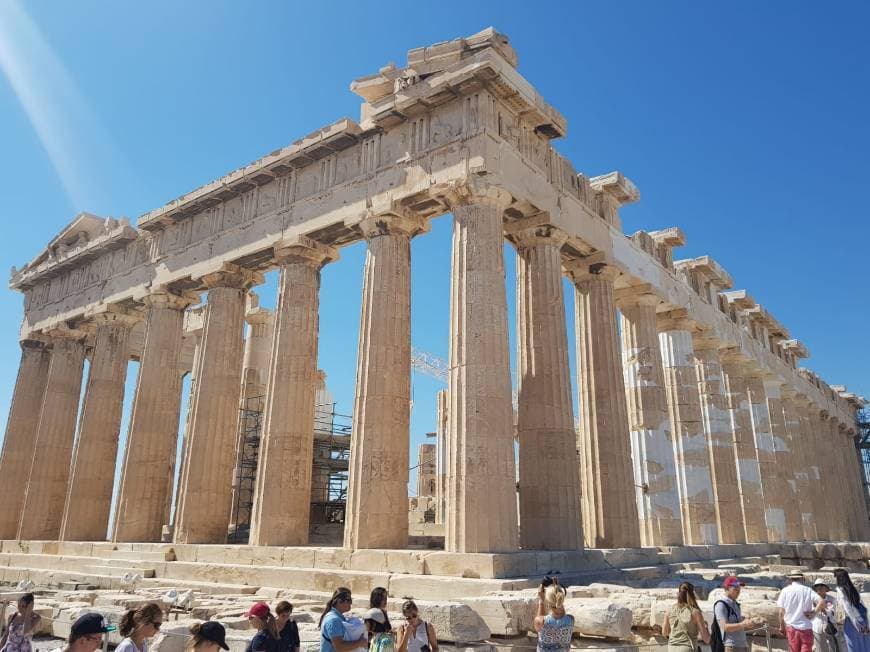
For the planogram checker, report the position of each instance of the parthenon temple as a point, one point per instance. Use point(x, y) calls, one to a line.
point(695, 426)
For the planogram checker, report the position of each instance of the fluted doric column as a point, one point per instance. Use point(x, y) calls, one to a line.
point(854, 490)
point(49, 472)
point(720, 440)
point(282, 497)
point(610, 518)
point(442, 449)
point(827, 486)
point(550, 517)
point(252, 401)
point(748, 471)
point(810, 479)
point(652, 439)
point(765, 448)
point(482, 498)
point(793, 466)
point(782, 461)
point(89, 500)
point(206, 476)
point(21, 427)
point(379, 452)
point(144, 495)
point(692, 454)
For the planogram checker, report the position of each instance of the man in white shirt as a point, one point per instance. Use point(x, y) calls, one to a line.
point(797, 607)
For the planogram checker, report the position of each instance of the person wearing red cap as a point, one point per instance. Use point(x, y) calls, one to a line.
point(732, 625)
point(266, 639)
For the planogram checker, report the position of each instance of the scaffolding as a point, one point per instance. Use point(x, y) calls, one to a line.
point(862, 441)
point(331, 432)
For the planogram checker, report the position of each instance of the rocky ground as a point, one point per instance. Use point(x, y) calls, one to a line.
point(607, 616)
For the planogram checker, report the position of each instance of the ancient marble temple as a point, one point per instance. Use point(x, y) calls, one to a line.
point(696, 425)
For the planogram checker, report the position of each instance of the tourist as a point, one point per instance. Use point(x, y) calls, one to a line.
point(553, 626)
point(731, 623)
point(416, 635)
point(288, 630)
point(209, 636)
point(86, 634)
point(685, 622)
point(796, 605)
point(138, 625)
point(826, 635)
point(266, 639)
point(20, 627)
point(380, 638)
point(332, 624)
point(855, 627)
point(378, 600)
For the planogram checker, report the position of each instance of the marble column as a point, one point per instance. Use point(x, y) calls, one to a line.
point(255, 373)
point(795, 469)
point(282, 495)
point(379, 452)
point(652, 440)
point(441, 449)
point(89, 500)
point(748, 470)
point(21, 427)
point(610, 517)
point(857, 512)
point(49, 471)
point(482, 497)
point(550, 517)
point(205, 484)
point(782, 455)
point(827, 486)
point(694, 476)
point(142, 507)
point(812, 478)
point(765, 448)
point(720, 441)
point(836, 474)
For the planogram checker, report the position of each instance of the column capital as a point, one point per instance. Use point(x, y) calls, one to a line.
point(535, 230)
point(394, 222)
point(676, 320)
point(636, 295)
point(163, 298)
point(733, 357)
point(34, 341)
point(64, 333)
point(591, 268)
point(302, 249)
point(233, 276)
point(475, 191)
point(112, 314)
point(705, 341)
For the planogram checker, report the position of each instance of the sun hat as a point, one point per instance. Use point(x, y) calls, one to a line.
point(375, 614)
point(820, 582)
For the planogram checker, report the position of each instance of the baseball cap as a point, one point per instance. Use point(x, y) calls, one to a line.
point(258, 609)
point(375, 614)
point(91, 623)
point(731, 580)
point(213, 631)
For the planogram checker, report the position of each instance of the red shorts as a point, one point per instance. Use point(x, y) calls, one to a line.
point(799, 640)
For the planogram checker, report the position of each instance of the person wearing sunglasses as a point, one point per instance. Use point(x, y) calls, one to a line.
point(139, 625)
point(416, 635)
point(332, 624)
point(86, 633)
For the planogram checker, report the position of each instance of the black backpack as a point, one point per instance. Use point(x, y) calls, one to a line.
point(717, 636)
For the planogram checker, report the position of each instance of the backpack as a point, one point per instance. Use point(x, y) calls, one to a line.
point(717, 636)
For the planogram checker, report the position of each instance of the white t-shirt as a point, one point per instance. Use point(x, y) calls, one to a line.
point(797, 599)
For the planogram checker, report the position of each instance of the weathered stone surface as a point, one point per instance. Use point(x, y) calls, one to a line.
point(506, 614)
point(600, 617)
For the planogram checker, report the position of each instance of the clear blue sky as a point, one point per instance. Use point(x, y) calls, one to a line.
point(745, 123)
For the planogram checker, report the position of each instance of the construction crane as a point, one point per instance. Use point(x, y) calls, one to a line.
point(429, 364)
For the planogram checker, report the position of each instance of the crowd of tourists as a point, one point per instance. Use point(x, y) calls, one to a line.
point(816, 618)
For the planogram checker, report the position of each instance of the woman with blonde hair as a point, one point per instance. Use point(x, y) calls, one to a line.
point(553, 625)
point(685, 622)
point(138, 625)
point(209, 636)
point(267, 637)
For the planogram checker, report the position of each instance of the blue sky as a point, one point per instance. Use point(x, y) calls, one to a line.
point(745, 123)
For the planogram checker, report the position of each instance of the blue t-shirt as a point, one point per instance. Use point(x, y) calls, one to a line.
point(332, 627)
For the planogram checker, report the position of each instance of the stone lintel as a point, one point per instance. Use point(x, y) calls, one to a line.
point(704, 340)
point(676, 320)
point(740, 299)
point(707, 268)
point(642, 294)
point(304, 249)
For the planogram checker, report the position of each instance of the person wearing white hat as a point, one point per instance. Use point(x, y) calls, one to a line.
point(826, 634)
point(380, 638)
